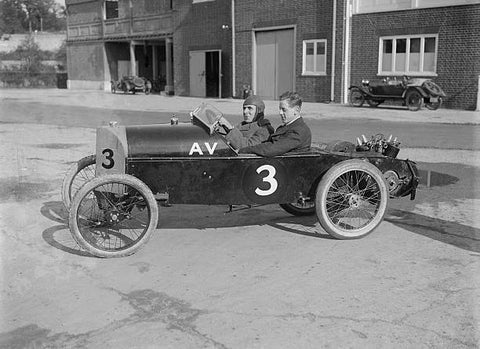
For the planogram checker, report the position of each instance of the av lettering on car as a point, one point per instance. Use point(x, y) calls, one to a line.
point(197, 149)
point(264, 182)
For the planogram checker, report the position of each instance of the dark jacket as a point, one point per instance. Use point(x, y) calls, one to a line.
point(293, 137)
point(250, 133)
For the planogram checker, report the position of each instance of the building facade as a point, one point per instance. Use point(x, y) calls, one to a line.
point(219, 48)
point(422, 38)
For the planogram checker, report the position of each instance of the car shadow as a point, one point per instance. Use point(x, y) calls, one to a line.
point(452, 233)
point(206, 217)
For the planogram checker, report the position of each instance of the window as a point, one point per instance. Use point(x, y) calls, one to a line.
point(314, 57)
point(410, 55)
point(111, 9)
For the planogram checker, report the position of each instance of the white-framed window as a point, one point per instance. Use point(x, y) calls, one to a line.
point(408, 54)
point(314, 57)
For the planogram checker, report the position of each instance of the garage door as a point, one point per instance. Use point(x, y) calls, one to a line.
point(275, 55)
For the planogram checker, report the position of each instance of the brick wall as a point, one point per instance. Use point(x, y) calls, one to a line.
point(199, 27)
point(313, 20)
point(458, 60)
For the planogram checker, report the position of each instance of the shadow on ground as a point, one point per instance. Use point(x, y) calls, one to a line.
point(198, 217)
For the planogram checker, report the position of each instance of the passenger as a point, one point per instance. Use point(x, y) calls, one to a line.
point(293, 135)
point(254, 129)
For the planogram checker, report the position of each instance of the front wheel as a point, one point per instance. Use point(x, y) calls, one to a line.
point(351, 199)
point(113, 215)
point(413, 99)
point(113, 87)
point(306, 208)
point(356, 97)
point(79, 173)
point(434, 103)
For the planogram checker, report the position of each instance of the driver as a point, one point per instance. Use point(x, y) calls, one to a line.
point(254, 129)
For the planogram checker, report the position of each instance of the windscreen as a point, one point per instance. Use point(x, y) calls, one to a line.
point(207, 114)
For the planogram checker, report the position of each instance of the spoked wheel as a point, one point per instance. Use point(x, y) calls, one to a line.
point(113, 215)
point(356, 97)
point(306, 208)
point(434, 103)
point(351, 199)
point(80, 173)
point(413, 99)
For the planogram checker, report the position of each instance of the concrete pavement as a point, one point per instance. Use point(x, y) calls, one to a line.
point(177, 104)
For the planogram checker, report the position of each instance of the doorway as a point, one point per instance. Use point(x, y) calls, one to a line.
point(205, 73)
point(274, 62)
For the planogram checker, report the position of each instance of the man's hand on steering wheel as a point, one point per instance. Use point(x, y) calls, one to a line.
point(222, 126)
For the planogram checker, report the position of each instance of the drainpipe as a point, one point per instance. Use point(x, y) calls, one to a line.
point(478, 95)
point(346, 58)
point(233, 48)
point(334, 29)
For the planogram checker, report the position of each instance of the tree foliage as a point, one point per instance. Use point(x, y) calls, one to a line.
point(23, 16)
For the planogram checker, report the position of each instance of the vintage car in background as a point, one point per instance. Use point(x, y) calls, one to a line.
point(113, 196)
point(132, 84)
point(411, 92)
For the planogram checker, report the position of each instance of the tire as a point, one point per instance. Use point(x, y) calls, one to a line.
point(113, 87)
point(413, 100)
point(356, 97)
point(434, 105)
point(113, 215)
point(351, 199)
point(297, 209)
point(79, 173)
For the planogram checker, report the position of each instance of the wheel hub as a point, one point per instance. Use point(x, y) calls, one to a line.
point(354, 201)
point(114, 217)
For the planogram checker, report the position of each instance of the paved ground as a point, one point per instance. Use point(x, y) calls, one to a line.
point(177, 104)
point(252, 279)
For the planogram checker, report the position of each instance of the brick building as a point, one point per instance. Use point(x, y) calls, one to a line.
point(215, 48)
point(423, 38)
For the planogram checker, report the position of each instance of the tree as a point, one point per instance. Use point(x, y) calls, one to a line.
point(12, 17)
point(31, 55)
point(21, 16)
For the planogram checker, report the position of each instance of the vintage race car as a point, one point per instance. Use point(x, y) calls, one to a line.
point(132, 84)
point(412, 92)
point(113, 196)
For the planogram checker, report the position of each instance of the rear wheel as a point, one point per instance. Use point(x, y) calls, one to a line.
point(434, 103)
point(79, 173)
point(356, 97)
point(351, 199)
point(413, 99)
point(113, 215)
point(306, 208)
